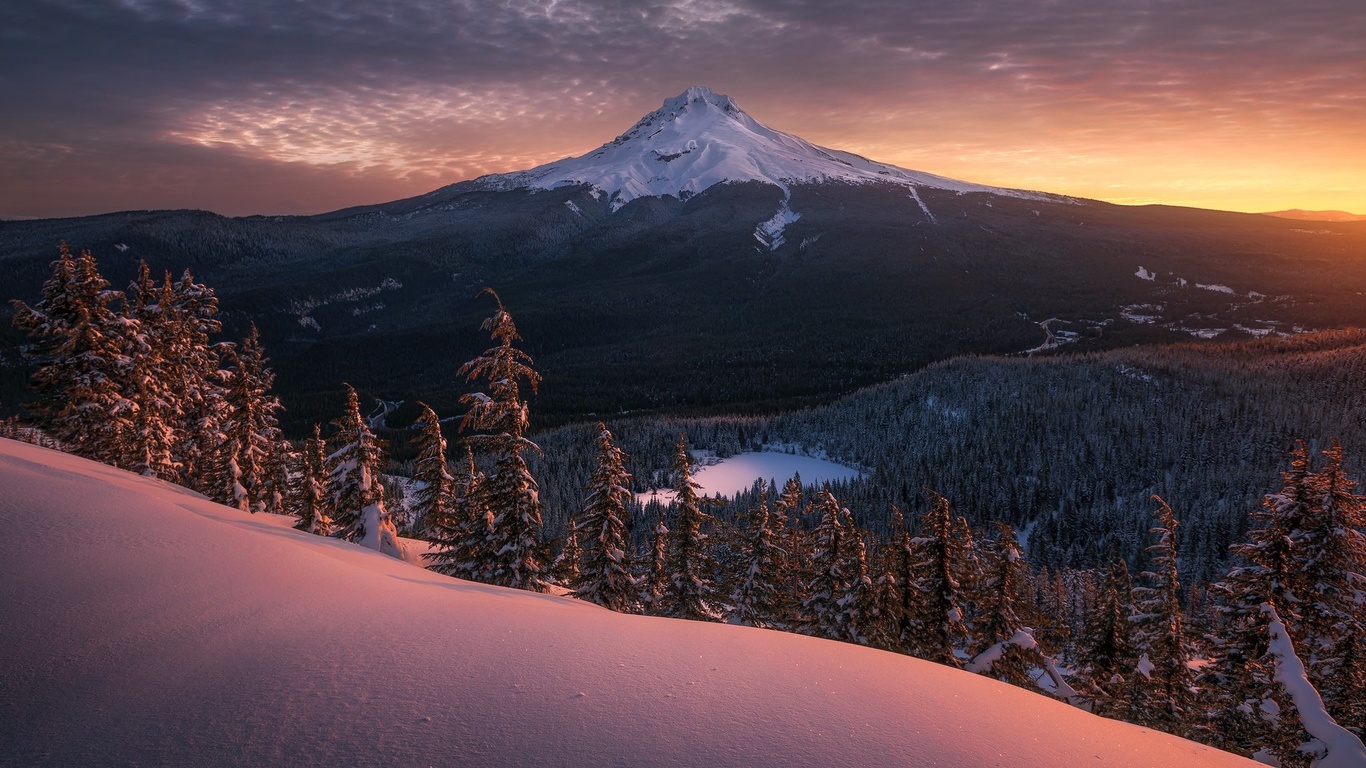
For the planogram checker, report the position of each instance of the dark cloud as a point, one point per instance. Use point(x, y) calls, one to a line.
point(145, 102)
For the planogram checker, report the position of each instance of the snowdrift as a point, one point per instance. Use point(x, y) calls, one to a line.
point(145, 625)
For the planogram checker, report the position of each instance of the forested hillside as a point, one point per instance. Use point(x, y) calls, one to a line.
point(1068, 448)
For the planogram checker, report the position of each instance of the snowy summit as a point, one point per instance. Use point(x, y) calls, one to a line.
point(700, 138)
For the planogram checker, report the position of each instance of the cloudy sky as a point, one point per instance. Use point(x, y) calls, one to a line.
point(286, 106)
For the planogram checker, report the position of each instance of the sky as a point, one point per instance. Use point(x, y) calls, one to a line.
point(287, 106)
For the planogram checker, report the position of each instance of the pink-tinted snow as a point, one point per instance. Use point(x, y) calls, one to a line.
point(144, 625)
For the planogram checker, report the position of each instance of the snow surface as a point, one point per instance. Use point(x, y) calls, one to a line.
point(701, 138)
point(728, 477)
point(144, 625)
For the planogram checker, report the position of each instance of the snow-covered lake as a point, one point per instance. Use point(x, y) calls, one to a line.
point(737, 473)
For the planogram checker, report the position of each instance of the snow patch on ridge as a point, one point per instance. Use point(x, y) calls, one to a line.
point(770, 233)
point(916, 197)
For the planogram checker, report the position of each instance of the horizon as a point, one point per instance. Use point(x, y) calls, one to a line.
point(247, 108)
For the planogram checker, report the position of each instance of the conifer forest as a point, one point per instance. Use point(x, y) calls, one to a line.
point(1156, 534)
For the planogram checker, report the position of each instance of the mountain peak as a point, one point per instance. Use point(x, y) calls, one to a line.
point(700, 138)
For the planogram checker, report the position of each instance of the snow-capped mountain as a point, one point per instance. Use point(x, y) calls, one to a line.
point(700, 138)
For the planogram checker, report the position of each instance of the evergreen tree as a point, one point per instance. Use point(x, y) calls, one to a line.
point(308, 497)
point(1330, 552)
point(567, 565)
point(436, 485)
point(941, 563)
point(151, 443)
point(81, 361)
point(796, 564)
point(189, 316)
point(1106, 656)
point(508, 491)
point(758, 599)
point(250, 435)
point(654, 581)
point(461, 538)
point(1162, 695)
point(1003, 599)
point(353, 469)
point(605, 575)
point(883, 611)
point(690, 592)
point(840, 578)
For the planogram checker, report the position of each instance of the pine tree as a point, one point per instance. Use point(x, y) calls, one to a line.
point(1106, 656)
point(1246, 704)
point(567, 566)
point(508, 493)
point(840, 584)
point(1162, 691)
point(81, 360)
point(941, 562)
point(432, 473)
point(758, 599)
point(605, 575)
point(883, 612)
point(250, 435)
point(152, 440)
point(654, 581)
point(690, 592)
point(796, 548)
point(357, 497)
point(1002, 601)
point(188, 318)
point(460, 538)
point(1330, 552)
point(308, 497)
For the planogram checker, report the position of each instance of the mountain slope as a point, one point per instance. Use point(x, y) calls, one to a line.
point(642, 282)
point(146, 625)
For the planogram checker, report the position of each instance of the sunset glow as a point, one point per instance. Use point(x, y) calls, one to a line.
point(247, 107)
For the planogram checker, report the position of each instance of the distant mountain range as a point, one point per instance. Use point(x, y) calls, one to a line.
point(1296, 213)
point(702, 260)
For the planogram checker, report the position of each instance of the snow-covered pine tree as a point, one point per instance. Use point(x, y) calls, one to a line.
point(840, 583)
point(308, 496)
point(1162, 690)
point(432, 473)
point(79, 351)
point(357, 498)
point(654, 580)
point(567, 565)
point(1006, 615)
point(690, 592)
point(605, 574)
point(152, 441)
point(1330, 552)
point(758, 600)
point(883, 612)
point(1247, 709)
point(938, 628)
point(461, 538)
point(248, 447)
point(508, 493)
point(796, 547)
point(1105, 653)
point(189, 312)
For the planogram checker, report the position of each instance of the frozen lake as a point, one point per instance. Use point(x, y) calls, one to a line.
point(737, 473)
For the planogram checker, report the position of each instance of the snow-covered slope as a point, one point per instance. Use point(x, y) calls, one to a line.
point(700, 138)
point(143, 625)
